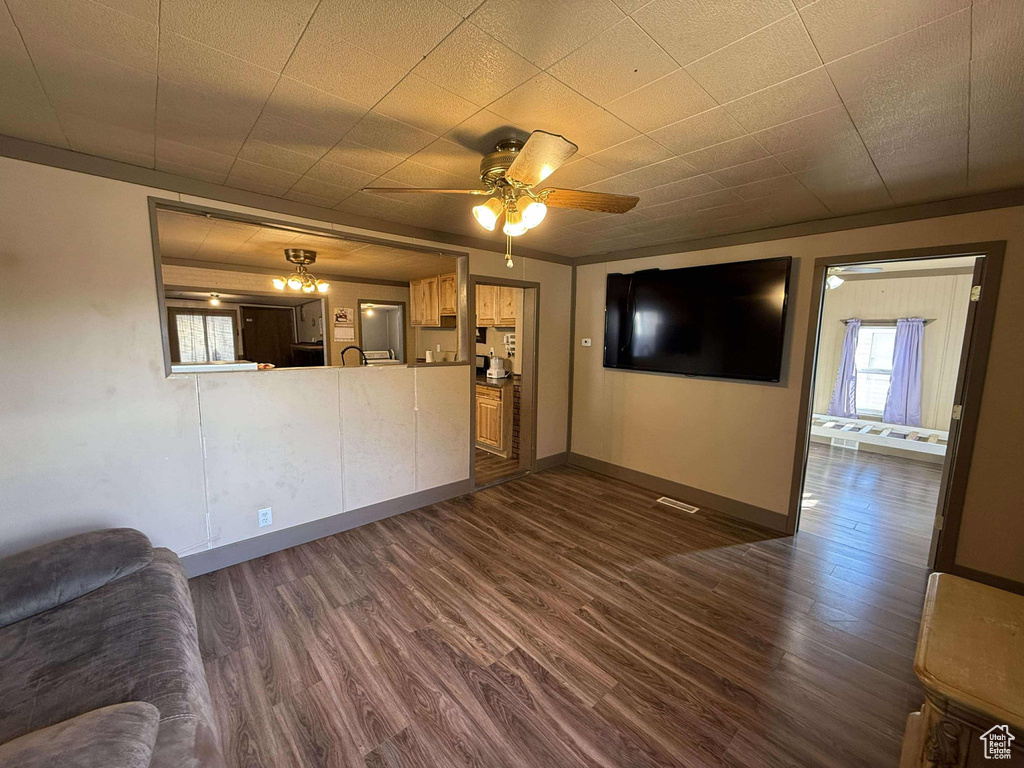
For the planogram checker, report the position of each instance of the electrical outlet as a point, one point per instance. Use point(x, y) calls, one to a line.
point(264, 516)
point(586, 342)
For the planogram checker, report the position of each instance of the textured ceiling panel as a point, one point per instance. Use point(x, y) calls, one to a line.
point(190, 237)
point(720, 116)
point(618, 61)
point(692, 29)
point(232, 25)
point(841, 27)
point(778, 52)
point(544, 31)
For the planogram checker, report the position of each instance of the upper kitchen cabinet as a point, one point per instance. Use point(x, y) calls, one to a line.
point(431, 299)
point(507, 306)
point(495, 306)
point(486, 305)
point(447, 295)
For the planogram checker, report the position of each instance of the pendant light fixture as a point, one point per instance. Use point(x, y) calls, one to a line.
point(301, 279)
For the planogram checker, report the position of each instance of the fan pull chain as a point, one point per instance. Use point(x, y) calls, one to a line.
point(508, 251)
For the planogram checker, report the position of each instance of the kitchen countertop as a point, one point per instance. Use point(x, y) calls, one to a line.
point(496, 383)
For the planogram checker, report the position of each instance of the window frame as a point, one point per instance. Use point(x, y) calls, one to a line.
point(172, 328)
point(876, 371)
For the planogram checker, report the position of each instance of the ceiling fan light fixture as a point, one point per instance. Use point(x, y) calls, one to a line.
point(322, 286)
point(514, 224)
point(295, 282)
point(280, 283)
point(487, 214)
point(534, 213)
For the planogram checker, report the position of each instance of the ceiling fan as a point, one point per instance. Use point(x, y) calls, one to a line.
point(834, 278)
point(510, 174)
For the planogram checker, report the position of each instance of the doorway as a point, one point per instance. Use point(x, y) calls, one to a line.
point(503, 412)
point(381, 330)
point(899, 342)
point(268, 334)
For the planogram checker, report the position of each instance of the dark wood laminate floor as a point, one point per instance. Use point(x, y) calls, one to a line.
point(490, 468)
point(562, 619)
point(869, 501)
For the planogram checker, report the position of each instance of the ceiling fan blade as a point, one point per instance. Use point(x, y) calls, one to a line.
point(540, 157)
point(430, 190)
point(590, 201)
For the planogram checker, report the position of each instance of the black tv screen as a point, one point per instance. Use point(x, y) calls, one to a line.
point(718, 320)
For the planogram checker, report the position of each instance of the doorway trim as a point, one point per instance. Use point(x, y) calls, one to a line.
point(531, 317)
point(970, 381)
point(386, 303)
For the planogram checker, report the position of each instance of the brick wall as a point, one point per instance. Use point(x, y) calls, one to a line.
point(517, 397)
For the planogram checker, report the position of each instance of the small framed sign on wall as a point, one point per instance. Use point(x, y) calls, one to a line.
point(344, 316)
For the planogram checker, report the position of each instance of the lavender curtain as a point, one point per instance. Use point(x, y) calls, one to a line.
point(903, 403)
point(843, 402)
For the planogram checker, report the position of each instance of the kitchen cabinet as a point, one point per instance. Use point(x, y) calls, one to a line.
point(496, 306)
point(486, 305)
point(447, 300)
point(507, 306)
point(424, 299)
point(430, 299)
point(494, 418)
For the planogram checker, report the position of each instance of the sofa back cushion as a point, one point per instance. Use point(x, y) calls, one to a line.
point(60, 571)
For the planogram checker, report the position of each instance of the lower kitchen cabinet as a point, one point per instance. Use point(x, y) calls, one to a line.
point(494, 419)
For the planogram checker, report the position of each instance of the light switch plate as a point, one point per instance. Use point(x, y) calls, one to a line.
point(586, 342)
point(265, 517)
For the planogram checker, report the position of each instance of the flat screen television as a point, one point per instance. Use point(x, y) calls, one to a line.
point(718, 320)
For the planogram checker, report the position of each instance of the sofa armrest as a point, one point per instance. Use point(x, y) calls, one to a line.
point(55, 573)
point(119, 736)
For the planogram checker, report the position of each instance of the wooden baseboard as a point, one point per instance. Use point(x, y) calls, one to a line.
point(1000, 582)
point(554, 460)
point(704, 499)
point(231, 554)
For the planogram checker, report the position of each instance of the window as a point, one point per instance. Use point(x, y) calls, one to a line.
point(875, 347)
point(201, 336)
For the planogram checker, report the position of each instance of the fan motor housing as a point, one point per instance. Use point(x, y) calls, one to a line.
point(494, 165)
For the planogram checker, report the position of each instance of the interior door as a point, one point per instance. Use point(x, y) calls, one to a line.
point(268, 334)
point(941, 553)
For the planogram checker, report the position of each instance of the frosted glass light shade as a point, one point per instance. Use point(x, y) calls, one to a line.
point(487, 213)
point(534, 213)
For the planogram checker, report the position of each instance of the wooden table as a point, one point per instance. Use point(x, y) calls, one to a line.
point(970, 658)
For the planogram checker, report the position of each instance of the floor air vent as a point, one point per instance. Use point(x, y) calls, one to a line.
point(841, 442)
point(678, 504)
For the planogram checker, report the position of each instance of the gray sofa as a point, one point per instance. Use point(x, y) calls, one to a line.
point(99, 658)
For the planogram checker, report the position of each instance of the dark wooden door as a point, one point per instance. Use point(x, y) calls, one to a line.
point(268, 334)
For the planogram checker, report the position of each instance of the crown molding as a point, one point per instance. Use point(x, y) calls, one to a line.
point(55, 157)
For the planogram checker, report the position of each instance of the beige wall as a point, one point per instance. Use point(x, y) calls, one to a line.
point(96, 435)
point(430, 338)
point(342, 294)
point(738, 439)
point(940, 298)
